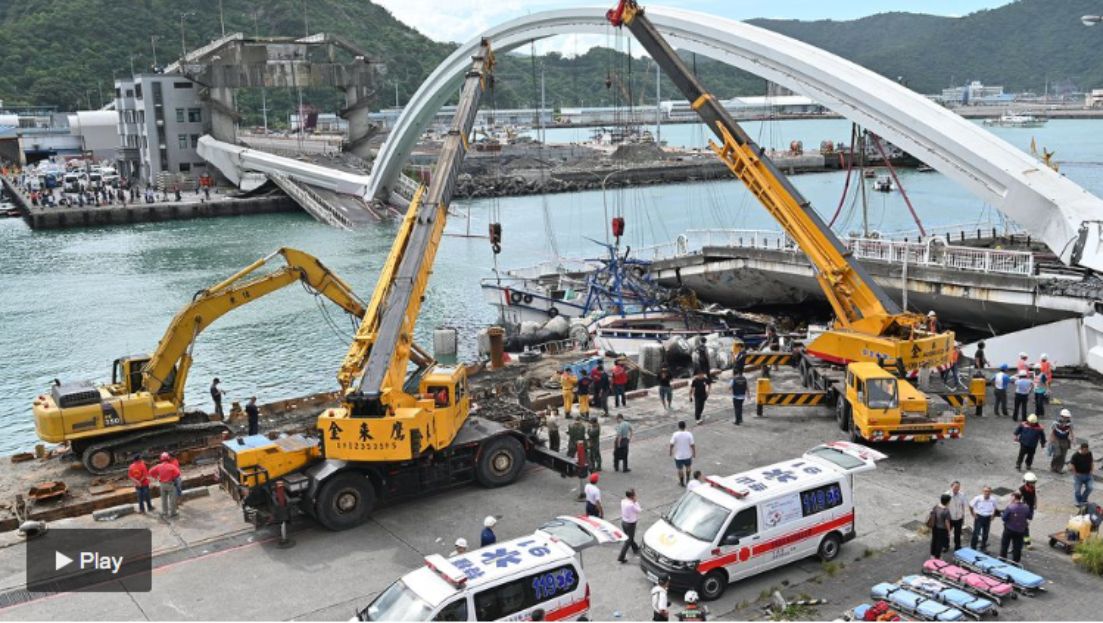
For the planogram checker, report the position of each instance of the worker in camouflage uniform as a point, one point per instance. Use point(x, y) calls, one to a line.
point(593, 445)
point(576, 432)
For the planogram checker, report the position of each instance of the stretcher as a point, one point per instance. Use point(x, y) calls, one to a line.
point(951, 596)
point(1024, 581)
point(911, 602)
point(880, 611)
point(972, 581)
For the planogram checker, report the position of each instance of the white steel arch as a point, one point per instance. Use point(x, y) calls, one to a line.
point(1054, 209)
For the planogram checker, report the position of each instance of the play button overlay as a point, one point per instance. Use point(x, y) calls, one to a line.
point(108, 561)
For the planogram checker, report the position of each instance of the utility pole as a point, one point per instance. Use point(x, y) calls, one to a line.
point(263, 90)
point(132, 65)
point(99, 91)
point(396, 93)
point(306, 21)
point(183, 46)
point(221, 19)
point(153, 43)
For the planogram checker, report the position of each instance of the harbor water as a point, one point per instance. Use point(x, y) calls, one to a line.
point(71, 301)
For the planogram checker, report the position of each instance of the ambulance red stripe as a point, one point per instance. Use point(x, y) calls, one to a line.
point(762, 548)
point(577, 608)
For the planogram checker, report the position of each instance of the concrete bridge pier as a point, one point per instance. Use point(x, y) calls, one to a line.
point(361, 129)
point(224, 114)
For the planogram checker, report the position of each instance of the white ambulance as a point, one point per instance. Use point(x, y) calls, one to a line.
point(505, 581)
point(741, 525)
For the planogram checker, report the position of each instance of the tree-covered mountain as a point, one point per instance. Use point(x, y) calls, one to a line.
point(65, 52)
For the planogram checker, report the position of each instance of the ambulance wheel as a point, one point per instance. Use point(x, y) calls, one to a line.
point(345, 501)
point(713, 585)
point(500, 461)
point(829, 547)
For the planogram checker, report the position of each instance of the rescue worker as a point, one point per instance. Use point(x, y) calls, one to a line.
point(567, 382)
point(139, 477)
point(1047, 369)
point(179, 482)
point(216, 395)
point(593, 445)
point(576, 432)
point(166, 474)
point(999, 390)
point(584, 383)
point(1022, 394)
point(620, 385)
point(1029, 493)
point(1016, 525)
point(949, 375)
point(1028, 435)
point(1023, 365)
point(552, 423)
point(1041, 389)
point(487, 537)
point(1060, 439)
point(620, 444)
point(593, 497)
point(693, 611)
point(461, 547)
point(660, 602)
point(980, 362)
point(932, 322)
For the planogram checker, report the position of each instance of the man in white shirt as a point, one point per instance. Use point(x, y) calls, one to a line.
point(982, 508)
point(684, 450)
point(660, 605)
point(957, 511)
point(593, 498)
point(697, 480)
point(629, 516)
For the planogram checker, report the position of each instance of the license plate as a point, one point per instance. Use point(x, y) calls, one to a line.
point(922, 438)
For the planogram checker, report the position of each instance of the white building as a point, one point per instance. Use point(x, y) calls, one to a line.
point(160, 119)
point(973, 94)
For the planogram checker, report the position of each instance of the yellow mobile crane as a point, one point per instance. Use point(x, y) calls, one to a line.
point(399, 432)
point(869, 326)
point(142, 409)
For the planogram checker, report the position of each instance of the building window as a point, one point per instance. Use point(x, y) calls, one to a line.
point(118, 92)
point(179, 115)
point(185, 167)
point(142, 116)
point(194, 141)
point(195, 115)
point(182, 141)
point(157, 95)
point(145, 143)
point(181, 85)
point(130, 92)
point(138, 91)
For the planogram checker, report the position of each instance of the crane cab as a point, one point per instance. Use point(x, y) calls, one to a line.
point(424, 418)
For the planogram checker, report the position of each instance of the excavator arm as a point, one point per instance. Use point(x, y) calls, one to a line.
point(862, 308)
point(174, 350)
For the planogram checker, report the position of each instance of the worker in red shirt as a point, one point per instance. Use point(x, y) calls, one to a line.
point(166, 472)
point(139, 476)
point(620, 385)
point(179, 482)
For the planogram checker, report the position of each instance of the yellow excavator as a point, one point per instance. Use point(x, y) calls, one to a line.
point(869, 327)
point(142, 409)
point(406, 425)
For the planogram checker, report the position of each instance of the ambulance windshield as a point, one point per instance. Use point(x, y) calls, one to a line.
point(397, 603)
point(697, 517)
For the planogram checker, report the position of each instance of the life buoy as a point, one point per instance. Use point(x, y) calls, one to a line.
point(515, 297)
point(553, 312)
point(528, 298)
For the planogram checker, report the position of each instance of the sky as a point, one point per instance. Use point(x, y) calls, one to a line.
point(460, 20)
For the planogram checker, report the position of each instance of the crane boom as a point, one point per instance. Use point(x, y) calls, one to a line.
point(377, 360)
point(862, 307)
point(212, 303)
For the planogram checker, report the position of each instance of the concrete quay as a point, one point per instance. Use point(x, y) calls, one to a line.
point(210, 565)
point(192, 206)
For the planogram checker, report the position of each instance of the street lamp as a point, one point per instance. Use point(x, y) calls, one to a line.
point(183, 46)
point(1091, 20)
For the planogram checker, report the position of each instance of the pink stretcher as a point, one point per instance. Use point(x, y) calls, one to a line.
point(972, 581)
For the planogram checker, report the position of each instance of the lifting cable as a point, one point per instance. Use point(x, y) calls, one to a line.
point(849, 171)
point(903, 193)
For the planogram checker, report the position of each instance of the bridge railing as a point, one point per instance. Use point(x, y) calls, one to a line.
point(932, 253)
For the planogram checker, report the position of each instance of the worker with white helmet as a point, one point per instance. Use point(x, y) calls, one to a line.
point(1060, 441)
point(461, 547)
point(488, 537)
point(1047, 369)
point(1023, 387)
point(1028, 435)
point(1024, 364)
point(1029, 492)
point(693, 610)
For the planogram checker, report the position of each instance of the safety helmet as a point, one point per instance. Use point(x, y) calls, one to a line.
point(1033, 419)
point(1003, 366)
point(489, 522)
point(691, 597)
point(165, 456)
point(593, 478)
point(1023, 355)
point(1066, 413)
point(461, 542)
point(1030, 477)
point(1044, 356)
point(931, 314)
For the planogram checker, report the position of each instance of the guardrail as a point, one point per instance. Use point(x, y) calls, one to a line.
point(934, 252)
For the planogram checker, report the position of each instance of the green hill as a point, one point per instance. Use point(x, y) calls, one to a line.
point(65, 52)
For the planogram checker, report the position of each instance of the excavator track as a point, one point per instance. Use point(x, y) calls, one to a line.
point(120, 449)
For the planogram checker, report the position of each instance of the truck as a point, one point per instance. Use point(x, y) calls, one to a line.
point(869, 327)
point(142, 408)
point(406, 425)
